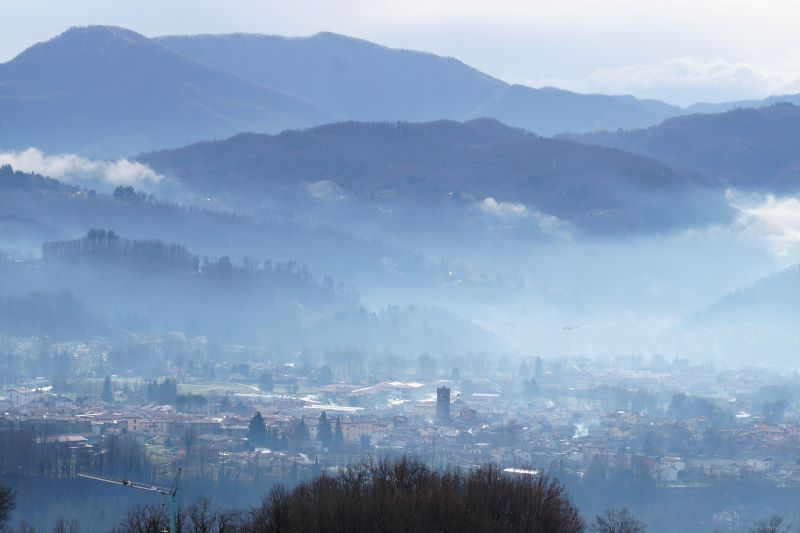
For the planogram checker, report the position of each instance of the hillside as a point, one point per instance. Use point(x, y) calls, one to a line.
point(421, 169)
point(110, 91)
point(721, 107)
point(752, 148)
point(769, 301)
point(756, 322)
point(34, 209)
point(149, 286)
point(364, 81)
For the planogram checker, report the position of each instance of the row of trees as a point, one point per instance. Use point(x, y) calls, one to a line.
point(331, 437)
point(107, 244)
point(156, 255)
point(34, 450)
point(162, 392)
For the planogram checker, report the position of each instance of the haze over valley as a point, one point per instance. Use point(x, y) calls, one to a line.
point(239, 242)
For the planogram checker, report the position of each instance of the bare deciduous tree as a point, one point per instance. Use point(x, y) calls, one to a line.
point(617, 521)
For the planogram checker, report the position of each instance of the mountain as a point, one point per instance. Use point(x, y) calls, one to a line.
point(721, 107)
point(149, 286)
point(104, 90)
point(34, 209)
point(758, 320)
point(770, 300)
point(431, 171)
point(107, 91)
point(59, 315)
point(749, 148)
point(364, 81)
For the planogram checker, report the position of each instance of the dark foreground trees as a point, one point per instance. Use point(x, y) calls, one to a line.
point(391, 496)
point(617, 521)
point(8, 501)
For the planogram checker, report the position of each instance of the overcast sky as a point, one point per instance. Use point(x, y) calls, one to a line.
point(680, 51)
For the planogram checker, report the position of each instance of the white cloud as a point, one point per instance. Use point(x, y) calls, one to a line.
point(775, 220)
point(685, 81)
point(547, 224)
point(75, 168)
point(502, 209)
point(327, 190)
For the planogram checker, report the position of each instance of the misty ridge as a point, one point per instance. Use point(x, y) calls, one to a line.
point(170, 91)
point(515, 234)
point(119, 286)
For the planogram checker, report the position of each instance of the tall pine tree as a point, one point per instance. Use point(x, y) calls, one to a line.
point(108, 394)
point(324, 433)
point(257, 431)
point(338, 435)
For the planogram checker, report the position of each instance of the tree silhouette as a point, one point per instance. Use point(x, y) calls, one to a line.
point(299, 435)
point(257, 431)
point(8, 501)
point(538, 370)
point(107, 395)
point(324, 433)
point(338, 435)
point(617, 521)
point(266, 381)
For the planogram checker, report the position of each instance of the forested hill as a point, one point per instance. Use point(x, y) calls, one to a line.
point(34, 209)
point(443, 163)
point(11, 179)
point(104, 90)
point(102, 248)
point(769, 301)
point(750, 148)
point(102, 244)
point(149, 286)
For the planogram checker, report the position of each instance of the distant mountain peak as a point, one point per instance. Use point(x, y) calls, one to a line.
point(86, 39)
point(103, 31)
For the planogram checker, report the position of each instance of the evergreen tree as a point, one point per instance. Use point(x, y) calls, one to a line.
point(530, 388)
point(325, 376)
point(338, 435)
point(164, 392)
point(107, 395)
point(266, 381)
point(523, 371)
point(257, 431)
point(324, 433)
point(299, 435)
point(538, 370)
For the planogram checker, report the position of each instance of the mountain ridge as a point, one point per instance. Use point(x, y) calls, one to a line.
point(407, 165)
point(470, 96)
point(91, 88)
point(750, 148)
point(107, 91)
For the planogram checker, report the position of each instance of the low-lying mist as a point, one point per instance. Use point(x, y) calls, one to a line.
point(525, 281)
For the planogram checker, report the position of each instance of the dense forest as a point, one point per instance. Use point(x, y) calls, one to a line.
point(749, 148)
point(447, 165)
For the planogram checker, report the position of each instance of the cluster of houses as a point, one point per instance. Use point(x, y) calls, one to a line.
point(435, 421)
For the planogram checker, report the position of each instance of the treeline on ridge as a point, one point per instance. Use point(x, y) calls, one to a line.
point(154, 254)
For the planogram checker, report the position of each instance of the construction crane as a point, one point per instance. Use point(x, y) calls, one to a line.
point(171, 492)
